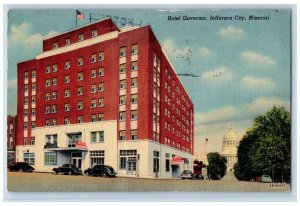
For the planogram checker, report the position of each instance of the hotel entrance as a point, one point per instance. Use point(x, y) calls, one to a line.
point(76, 159)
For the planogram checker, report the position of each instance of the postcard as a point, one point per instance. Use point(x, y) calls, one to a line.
point(149, 100)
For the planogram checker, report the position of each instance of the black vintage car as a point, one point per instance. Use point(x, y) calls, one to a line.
point(20, 167)
point(101, 170)
point(68, 169)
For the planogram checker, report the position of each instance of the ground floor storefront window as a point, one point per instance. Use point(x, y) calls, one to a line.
point(29, 158)
point(97, 157)
point(128, 161)
point(50, 158)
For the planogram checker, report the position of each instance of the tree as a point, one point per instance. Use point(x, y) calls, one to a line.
point(216, 165)
point(266, 147)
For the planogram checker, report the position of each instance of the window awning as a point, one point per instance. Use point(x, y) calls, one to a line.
point(66, 149)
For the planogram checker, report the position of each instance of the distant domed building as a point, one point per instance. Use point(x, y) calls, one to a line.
point(229, 148)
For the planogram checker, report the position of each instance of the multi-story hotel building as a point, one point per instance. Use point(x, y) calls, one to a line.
point(98, 94)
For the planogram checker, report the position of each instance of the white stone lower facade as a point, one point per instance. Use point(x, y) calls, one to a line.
point(96, 143)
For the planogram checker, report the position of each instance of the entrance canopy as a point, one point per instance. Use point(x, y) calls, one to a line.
point(67, 149)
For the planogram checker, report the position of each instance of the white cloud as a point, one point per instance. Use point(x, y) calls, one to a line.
point(232, 33)
point(12, 84)
point(263, 104)
point(221, 73)
point(217, 114)
point(173, 50)
point(255, 58)
point(253, 83)
point(22, 34)
point(205, 52)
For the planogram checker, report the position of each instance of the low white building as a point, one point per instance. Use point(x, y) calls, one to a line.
point(229, 148)
point(87, 144)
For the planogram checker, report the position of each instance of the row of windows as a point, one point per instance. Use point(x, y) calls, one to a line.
point(32, 139)
point(33, 74)
point(33, 125)
point(33, 87)
point(134, 115)
point(134, 99)
point(176, 145)
point(33, 100)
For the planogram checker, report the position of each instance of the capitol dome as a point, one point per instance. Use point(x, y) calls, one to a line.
point(229, 148)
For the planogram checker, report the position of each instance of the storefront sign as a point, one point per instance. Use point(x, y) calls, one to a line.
point(80, 144)
point(177, 160)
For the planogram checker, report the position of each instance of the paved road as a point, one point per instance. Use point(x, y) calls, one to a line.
point(44, 182)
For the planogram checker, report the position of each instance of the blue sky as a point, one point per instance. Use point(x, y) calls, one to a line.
point(251, 59)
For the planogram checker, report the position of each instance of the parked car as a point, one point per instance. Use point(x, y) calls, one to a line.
point(265, 178)
point(68, 169)
point(20, 167)
point(100, 170)
point(187, 174)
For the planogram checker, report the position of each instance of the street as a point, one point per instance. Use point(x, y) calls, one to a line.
point(46, 182)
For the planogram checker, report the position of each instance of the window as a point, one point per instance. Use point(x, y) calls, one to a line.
point(33, 100)
point(68, 42)
point(94, 73)
point(133, 135)
point(32, 140)
point(128, 157)
point(54, 108)
point(80, 61)
point(79, 119)
point(80, 37)
point(67, 65)
point(134, 82)
point(101, 87)
point(94, 32)
point(122, 68)
point(67, 120)
point(93, 58)
point(122, 100)
point(54, 122)
point(67, 79)
point(134, 115)
point(48, 69)
point(93, 103)
point(101, 72)
point(123, 52)
point(47, 96)
point(80, 105)
point(93, 137)
point(167, 165)
point(67, 93)
point(134, 49)
point(80, 76)
point(33, 86)
point(54, 67)
point(54, 95)
point(73, 138)
point(80, 91)
point(101, 56)
point(47, 109)
point(67, 107)
point(93, 118)
point(54, 80)
point(101, 136)
point(50, 158)
point(26, 75)
point(101, 102)
point(25, 141)
point(155, 161)
point(29, 158)
point(97, 157)
point(55, 45)
point(48, 82)
point(122, 116)
point(25, 112)
point(25, 100)
point(25, 125)
point(101, 117)
point(123, 84)
point(134, 66)
point(93, 88)
point(32, 125)
point(122, 135)
point(33, 75)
